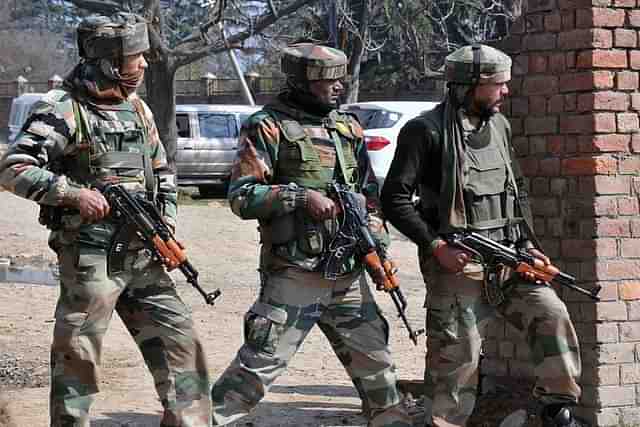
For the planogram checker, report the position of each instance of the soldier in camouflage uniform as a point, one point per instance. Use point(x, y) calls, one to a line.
point(459, 159)
point(288, 154)
point(97, 130)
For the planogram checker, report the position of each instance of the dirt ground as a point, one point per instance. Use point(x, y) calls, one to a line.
point(314, 392)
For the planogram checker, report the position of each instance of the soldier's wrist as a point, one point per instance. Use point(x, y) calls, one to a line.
point(436, 247)
point(69, 195)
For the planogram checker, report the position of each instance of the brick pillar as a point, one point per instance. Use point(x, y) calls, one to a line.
point(574, 114)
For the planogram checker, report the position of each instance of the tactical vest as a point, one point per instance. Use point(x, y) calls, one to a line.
point(311, 155)
point(109, 143)
point(309, 152)
point(114, 141)
point(489, 186)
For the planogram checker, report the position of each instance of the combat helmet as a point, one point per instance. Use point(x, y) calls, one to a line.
point(102, 37)
point(306, 62)
point(477, 64)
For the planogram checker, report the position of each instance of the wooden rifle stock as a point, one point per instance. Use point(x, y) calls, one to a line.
point(490, 252)
point(142, 217)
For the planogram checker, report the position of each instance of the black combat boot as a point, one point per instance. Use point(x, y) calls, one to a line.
point(559, 416)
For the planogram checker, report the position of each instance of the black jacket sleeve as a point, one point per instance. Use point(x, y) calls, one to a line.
point(406, 173)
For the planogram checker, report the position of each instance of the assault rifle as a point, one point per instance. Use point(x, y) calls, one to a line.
point(140, 216)
point(492, 253)
point(354, 237)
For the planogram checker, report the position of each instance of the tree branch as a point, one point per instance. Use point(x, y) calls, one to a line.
point(105, 7)
point(186, 56)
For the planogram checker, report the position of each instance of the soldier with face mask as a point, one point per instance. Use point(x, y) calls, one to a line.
point(459, 159)
point(288, 154)
point(97, 130)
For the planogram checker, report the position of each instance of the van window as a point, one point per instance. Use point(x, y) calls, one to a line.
point(214, 125)
point(21, 113)
point(182, 123)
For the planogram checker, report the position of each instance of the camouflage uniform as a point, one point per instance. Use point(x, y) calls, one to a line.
point(293, 145)
point(468, 179)
point(89, 133)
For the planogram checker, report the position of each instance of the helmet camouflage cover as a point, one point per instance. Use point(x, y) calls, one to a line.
point(477, 64)
point(121, 35)
point(308, 62)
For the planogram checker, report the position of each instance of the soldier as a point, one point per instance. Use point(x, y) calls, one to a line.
point(458, 158)
point(288, 154)
point(97, 130)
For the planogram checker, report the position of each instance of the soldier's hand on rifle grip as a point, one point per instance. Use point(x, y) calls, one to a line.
point(92, 205)
point(451, 258)
point(319, 206)
point(536, 253)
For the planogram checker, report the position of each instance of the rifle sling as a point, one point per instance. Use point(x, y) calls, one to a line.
point(513, 168)
point(340, 155)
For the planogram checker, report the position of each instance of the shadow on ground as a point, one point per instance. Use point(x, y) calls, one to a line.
point(316, 390)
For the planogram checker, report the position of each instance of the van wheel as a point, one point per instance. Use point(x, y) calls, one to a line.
point(216, 190)
point(208, 190)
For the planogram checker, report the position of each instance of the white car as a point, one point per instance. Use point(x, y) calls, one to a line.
point(382, 122)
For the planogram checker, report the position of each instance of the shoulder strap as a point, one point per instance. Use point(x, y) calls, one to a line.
point(149, 178)
point(83, 133)
point(337, 142)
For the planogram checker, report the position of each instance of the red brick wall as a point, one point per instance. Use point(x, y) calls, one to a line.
point(574, 111)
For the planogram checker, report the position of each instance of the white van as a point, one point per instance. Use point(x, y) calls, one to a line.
point(207, 143)
point(20, 108)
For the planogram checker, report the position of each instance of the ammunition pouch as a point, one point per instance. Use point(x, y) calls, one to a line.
point(56, 217)
point(50, 217)
point(297, 229)
point(310, 234)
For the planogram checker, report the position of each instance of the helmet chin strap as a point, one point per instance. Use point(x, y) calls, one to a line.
point(475, 78)
point(109, 69)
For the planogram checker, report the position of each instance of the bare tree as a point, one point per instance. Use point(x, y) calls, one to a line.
point(243, 18)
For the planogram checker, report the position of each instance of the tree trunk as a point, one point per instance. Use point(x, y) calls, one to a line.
point(160, 85)
point(359, 46)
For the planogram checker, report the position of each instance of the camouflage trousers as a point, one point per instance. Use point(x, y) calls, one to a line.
point(457, 321)
point(291, 302)
point(145, 298)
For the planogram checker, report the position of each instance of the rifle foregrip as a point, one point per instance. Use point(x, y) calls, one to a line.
point(376, 271)
point(390, 271)
point(168, 256)
point(547, 273)
point(177, 250)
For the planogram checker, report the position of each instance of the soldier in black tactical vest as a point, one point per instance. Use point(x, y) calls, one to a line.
point(96, 130)
point(288, 154)
point(459, 160)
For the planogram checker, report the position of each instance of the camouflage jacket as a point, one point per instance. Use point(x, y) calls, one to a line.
point(275, 160)
point(49, 158)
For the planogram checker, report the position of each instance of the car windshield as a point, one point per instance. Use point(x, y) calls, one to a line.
point(371, 118)
point(217, 125)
